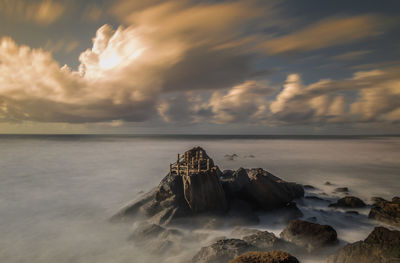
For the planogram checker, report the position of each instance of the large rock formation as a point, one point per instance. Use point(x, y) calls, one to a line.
point(386, 211)
point(309, 235)
point(195, 186)
point(382, 246)
point(265, 257)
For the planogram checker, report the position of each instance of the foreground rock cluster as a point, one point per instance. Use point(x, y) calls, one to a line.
point(234, 195)
point(196, 194)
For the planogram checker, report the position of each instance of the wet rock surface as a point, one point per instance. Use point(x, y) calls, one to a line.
point(382, 245)
point(386, 211)
point(222, 251)
point(309, 235)
point(265, 257)
point(349, 202)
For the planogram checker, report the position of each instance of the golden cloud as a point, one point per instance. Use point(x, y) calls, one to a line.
point(42, 12)
point(326, 33)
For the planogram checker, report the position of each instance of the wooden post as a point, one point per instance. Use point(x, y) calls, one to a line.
point(187, 170)
point(198, 166)
point(208, 164)
point(193, 162)
point(201, 155)
point(197, 155)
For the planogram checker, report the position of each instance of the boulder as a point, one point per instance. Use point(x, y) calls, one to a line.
point(266, 191)
point(382, 246)
point(222, 251)
point(386, 211)
point(265, 257)
point(349, 202)
point(309, 235)
point(264, 240)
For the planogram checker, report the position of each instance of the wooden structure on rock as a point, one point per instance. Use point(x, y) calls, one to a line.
point(193, 161)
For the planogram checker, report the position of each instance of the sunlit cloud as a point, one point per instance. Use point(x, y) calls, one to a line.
point(326, 33)
point(43, 12)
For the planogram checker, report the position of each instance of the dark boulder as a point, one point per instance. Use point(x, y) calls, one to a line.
point(386, 211)
point(349, 202)
point(266, 191)
point(309, 235)
point(382, 246)
point(265, 257)
point(222, 251)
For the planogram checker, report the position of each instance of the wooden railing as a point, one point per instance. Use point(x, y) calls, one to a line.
point(181, 167)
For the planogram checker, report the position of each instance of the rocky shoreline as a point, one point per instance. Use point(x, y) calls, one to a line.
point(204, 197)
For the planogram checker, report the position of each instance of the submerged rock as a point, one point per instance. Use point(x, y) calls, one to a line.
point(349, 202)
point(265, 257)
point(264, 240)
point(309, 235)
point(222, 251)
point(341, 190)
point(386, 211)
point(382, 246)
point(205, 190)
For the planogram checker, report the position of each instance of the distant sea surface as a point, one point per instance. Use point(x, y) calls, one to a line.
point(57, 191)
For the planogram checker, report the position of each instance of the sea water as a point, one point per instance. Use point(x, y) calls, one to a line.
point(57, 192)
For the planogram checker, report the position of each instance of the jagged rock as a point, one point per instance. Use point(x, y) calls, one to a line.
point(309, 235)
point(208, 191)
point(234, 183)
point(349, 202)
point(386, 211)
point(222, 251)
point(382, 246)
point(265, 257)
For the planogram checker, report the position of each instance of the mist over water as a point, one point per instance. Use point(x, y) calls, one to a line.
point(56, 193)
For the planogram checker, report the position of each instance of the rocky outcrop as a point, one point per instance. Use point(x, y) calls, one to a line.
point(222, 251)
point(265, 257)
point(349, 202)
point(233, 194)
point(382, 246)
point(309, 235)
point(386, 211)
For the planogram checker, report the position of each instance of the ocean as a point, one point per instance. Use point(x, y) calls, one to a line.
point(58, 191)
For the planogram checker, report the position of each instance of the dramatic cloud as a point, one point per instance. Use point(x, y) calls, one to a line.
point(377, 99)
point(43, 12)
point(186, 62)
point(327, 33)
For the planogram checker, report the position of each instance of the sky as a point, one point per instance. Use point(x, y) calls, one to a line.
point(200, 67)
